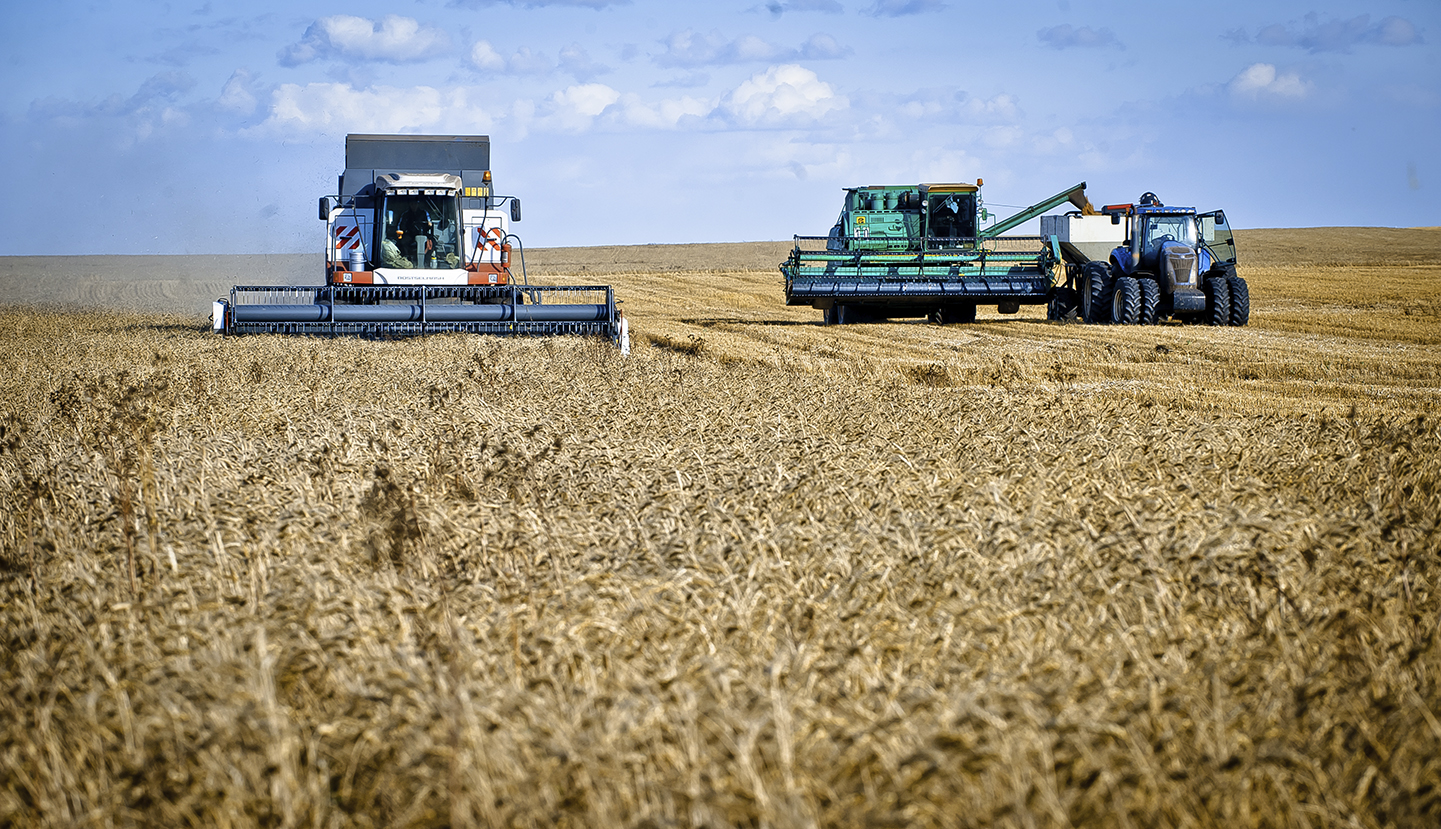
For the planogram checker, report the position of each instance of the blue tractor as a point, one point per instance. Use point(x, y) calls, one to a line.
point(1173, 264)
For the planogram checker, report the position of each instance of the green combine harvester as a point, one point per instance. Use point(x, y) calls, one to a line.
point(920, 251)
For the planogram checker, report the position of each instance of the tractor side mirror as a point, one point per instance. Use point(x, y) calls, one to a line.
point(515, 210)
point(324, 208)
point(1115, 218)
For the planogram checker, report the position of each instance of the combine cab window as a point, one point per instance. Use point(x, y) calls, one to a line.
point(951, 216)
point(420, 232)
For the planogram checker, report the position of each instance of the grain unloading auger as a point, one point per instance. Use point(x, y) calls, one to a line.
point(419, 243)
point(912, 251)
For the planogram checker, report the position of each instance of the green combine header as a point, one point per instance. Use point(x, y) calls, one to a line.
point(920, 251)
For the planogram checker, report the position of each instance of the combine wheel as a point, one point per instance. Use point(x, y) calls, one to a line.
point(850, 315)
point(1096, 291)
point(1064, 305)
point(831, 315)
point(1150, 301)
point(1240, 300)
point(1218, 301)
point(958, 314)
point(1126, 301)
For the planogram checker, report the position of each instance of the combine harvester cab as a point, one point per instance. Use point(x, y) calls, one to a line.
point(1142, 263)
point(417, 242)
point(920, 251)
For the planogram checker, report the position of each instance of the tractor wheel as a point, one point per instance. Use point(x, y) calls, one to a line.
point(957, 314)
point(1126, 301)
point(831, 315)
point(1096, 291)
point(1218, 301)
point(1150, 301)
point(1240, 300)
point(1064, 305)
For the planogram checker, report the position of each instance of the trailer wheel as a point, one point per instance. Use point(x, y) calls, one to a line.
point(1126, 301)
point(1096, 291)
point(1150, 301)
point(1218, 301)
point(1240, 300)
point(1064, 305)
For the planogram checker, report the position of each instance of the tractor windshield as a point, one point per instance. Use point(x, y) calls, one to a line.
point(420, 232)
point(1158, 229)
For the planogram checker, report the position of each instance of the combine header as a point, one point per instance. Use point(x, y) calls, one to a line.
point(417, 242)
point(919, 251)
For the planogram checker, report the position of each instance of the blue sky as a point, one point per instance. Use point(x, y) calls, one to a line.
point(207, 127)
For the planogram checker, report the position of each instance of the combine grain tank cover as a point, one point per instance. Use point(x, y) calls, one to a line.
point(427, 183)
point(417, 152)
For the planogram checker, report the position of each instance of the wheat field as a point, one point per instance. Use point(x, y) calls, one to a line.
point(759, 573)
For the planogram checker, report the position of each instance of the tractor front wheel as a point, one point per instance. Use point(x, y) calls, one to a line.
point(1150, 301)
point(1218, 301)
point(1240, 300)
point(1126, 301)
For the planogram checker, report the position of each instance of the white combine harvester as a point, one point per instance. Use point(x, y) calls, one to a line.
point(417, 242)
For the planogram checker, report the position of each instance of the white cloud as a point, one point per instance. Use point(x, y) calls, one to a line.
point(822, 46)
point(689, 48)
point(236, 95)
point(1263, 80)
point(782, 94)
point(575, 108)
point(575, 60)
point(666, 114)
point(690, 80)
point(935, 105)
point(334, 107)
point(778, 8)
point(1066, 36)
point(392, 39)
point(521, 62)
point(901, 8)
point(483, 56)
point(1317, 35)
point(535, 4)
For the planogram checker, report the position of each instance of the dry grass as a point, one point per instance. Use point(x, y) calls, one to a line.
point(760, 573)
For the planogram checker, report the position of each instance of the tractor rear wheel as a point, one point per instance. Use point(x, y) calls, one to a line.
point(1218, 301)
point(1240, 300)
point(1064, 305)
point(1096, 291)
point(1126, 301)
point(1150, 301)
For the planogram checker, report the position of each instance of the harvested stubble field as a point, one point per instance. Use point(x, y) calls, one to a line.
point(759, 573)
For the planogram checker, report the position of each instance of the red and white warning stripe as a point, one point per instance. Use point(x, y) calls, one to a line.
point(489, 239)
point(347, 237)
